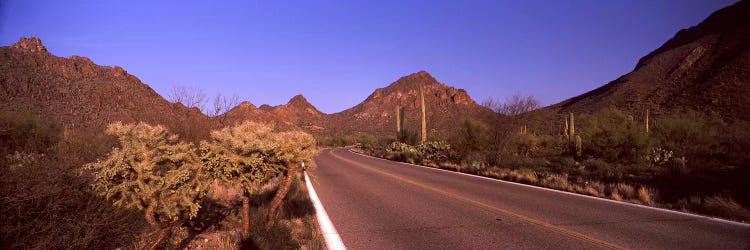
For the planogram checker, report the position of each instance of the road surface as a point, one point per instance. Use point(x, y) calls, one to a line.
point(379, 204)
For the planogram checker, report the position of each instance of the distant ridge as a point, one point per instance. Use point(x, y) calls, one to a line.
point(703, 68)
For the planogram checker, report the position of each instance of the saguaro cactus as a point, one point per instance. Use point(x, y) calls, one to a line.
point(574, 141)
point(647, 121)
point(572, 129)
point(565, 131)
point(399, 119)
point(424, 115)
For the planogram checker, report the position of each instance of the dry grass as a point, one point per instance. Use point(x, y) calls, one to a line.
point(616, 196)
point(645, 196)
point(296, 226)
point(626, 191)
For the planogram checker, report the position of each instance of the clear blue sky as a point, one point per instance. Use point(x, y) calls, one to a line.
point(337, 52)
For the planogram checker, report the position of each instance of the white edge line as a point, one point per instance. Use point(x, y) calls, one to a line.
point(736, 223)
point(333, 240)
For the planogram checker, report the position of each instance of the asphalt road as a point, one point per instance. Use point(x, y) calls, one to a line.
point(379, 204)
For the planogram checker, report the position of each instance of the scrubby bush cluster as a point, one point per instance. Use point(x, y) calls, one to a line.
point(154, 172)
point(148, 181)
point(687, 160)
point(427, 153)
point(43, 202)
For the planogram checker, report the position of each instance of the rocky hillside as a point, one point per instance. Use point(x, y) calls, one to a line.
point(447, 107)
point(705, 68)
point(79, 94)
point(298, 112)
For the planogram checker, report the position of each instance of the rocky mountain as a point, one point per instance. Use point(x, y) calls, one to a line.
point(446, 107)
point(298, 112)
point(79, 94)
point(705, 68)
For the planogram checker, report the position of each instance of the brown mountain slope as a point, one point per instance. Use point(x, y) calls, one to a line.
point(298, 112)
point(704, 68)
point(446, 106)
point(77, 93)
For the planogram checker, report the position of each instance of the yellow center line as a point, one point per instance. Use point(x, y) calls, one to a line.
point(550, 227)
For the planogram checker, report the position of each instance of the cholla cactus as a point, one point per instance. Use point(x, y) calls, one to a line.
point(240, 156)
point(293, 150)
point(150, 171)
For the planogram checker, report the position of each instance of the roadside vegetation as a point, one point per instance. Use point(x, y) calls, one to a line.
point(687, 161)
point(140, 187)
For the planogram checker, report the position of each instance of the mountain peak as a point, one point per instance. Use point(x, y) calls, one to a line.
point(420, 76)
point(300, 103)
point(246, 104)
point(298, 99)
point(32, 44)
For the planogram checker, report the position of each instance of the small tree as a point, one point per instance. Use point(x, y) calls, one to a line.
point(187, 95)
point(240, 155)
point(295, 149)
point(221, 105)
point(514, 105)
point(150, 171)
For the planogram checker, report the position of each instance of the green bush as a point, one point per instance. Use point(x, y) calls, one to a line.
point(473, 142)
point(527, 144)
point(434, 151)
point(613, 136)
point(409, 136)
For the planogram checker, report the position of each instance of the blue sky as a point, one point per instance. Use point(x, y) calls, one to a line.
point(337, 52)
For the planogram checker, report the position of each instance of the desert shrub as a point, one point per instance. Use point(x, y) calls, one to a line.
point(81, 146)
point(705, 141)
point(25, 132)
point(473, 142)
point(400, 147)
point(718, 204)
point(336, 140)
point(151, 171)
point(551, 145)
point(686, 134)
point(409, 136)
point(434, 151)
point(367, 142)
point(710, 155)
point(527, 144)
point(599, 169)
point(611, 135)
point(46, 206)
